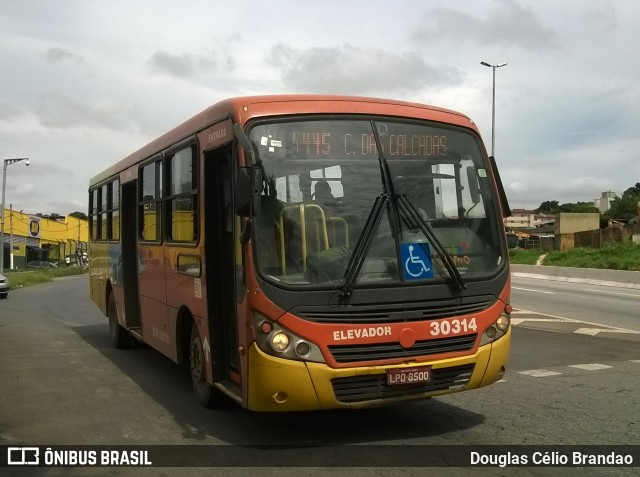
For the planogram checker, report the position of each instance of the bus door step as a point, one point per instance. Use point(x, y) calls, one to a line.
point(231, 389)
point(136, 333)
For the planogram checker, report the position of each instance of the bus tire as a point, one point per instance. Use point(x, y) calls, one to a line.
point(120, 338)
point(205, 393)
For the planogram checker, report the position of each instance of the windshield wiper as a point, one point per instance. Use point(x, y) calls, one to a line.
point(364, 243)
point(407, 207)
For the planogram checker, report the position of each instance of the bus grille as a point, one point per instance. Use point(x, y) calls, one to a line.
point(394, 313)
point(374, 386)
point(377, 351)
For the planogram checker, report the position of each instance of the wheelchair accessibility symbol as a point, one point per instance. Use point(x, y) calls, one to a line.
point(416, 259)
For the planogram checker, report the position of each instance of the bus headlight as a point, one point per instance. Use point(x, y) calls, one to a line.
point(496, 330)
point(279, 341)
point(303, 348)
point(275, 340)
point(502, 323)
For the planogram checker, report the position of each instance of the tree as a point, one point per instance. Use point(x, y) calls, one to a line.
point(633, 191)
point(625, 207)
point(548, 207)
point(78, 215)
point(554, 207)
point(579, 208)
point(51, 216)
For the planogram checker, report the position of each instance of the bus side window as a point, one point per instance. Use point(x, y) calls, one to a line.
point(151, 202)
point(182, 198)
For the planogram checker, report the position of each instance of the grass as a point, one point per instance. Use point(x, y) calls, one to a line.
point(618, 256)
point(524, 257)
point(24, 278)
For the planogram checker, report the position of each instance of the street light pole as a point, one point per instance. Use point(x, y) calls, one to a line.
point(5, 163)
point(10, 237)
point(493, 104)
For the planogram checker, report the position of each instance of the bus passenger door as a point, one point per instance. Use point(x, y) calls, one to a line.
point(220, 264)
point(129, 257)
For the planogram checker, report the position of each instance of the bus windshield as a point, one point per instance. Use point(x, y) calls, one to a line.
point(414, 198)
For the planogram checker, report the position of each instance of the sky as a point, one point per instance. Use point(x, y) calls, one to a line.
point(86, 82)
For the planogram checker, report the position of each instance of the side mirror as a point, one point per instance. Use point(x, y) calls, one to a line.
point(247, 191)
point(245, 142)
point(504, 202)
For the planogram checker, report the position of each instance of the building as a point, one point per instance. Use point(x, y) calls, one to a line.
point(31, 237)
point(527, 219)
point(604, 203)
point(570, 223)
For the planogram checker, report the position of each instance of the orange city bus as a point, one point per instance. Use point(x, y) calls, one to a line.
point(304, 252)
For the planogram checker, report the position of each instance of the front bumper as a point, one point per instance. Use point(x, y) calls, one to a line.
point(277, 384)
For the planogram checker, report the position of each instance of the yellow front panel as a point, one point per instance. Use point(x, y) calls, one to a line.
point(277, 384)
point(499, 358)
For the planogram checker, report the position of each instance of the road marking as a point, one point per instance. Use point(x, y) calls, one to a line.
point(596, 331)
point(606, 292)
point(590, 366)
point(539, 373)
point(593, 330)
point(542, 373)
point(548, 320)
point(517, 321)
point(532, 290)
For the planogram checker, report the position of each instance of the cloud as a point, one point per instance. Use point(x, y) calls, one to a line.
point(541, 186)
point(604, 18)
point(58, 111)
point(505, 24)
point(8, 110)
point(196, 68)
point(180, 66)
point(56, 55)
point(350, 69)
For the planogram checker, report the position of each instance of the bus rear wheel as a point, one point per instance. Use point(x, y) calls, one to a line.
point(119, 336)
point(205, 393)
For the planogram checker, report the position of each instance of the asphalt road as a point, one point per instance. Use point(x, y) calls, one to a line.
point(605, 305)
point(63, 384)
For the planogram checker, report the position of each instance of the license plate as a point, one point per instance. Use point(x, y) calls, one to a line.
point(419, 375)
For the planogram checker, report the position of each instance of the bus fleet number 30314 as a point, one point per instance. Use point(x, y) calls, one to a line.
point(452, 327)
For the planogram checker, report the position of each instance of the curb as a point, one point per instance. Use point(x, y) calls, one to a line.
point(592, 276)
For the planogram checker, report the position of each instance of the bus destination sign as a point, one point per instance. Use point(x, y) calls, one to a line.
point(323, 143)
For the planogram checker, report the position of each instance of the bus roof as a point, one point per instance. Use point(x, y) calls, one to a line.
point(243, 108)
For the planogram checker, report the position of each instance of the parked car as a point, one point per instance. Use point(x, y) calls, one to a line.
point(4, 287)
point(41, 264)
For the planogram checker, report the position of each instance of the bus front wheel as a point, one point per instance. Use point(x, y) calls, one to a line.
point(119, 336)
point(206, 394)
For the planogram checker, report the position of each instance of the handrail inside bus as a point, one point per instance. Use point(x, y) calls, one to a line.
point(305, 213)
point(302, 211)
